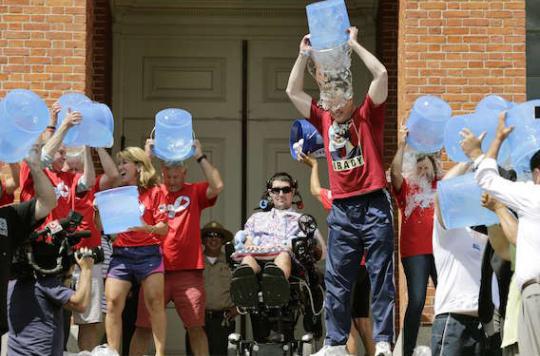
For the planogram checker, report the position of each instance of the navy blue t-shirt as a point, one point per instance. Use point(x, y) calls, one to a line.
point(35, 316)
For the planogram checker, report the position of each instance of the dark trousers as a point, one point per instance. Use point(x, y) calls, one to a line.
point(355, 224)
point(417, 269)
point(456, 335)
point(217, 333)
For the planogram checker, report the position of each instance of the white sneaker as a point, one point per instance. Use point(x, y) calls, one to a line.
point(327, 350)
point(383, 348)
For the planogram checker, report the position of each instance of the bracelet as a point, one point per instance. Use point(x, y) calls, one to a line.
point(201, 158)
point(52, 128)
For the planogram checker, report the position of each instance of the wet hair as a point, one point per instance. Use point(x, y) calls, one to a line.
point(535, 161)
point(147, 175)
point(422, 156)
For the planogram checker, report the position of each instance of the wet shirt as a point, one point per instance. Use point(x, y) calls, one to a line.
point(354, 149)
point(182, 247)
point(217, 283)
point(63, 183)
point(16, 223)
point(36, 316)
point(149, 201)
point(416, 224)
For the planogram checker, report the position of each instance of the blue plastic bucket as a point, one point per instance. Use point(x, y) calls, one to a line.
point(477, 122)
point(328, 22)
point(313, 141)
point(96, 128)
point(70, 101)
point(174, 135)
point(23, 116)
point(460, 203)
point(494, 103)
point(524, 140)
point(119, 209)
point(426, 124)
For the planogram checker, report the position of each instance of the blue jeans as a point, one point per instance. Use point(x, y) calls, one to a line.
point(417, 269)
point(356, 223)
point(456, 335)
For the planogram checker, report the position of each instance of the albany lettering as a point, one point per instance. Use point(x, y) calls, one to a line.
point(347, 164)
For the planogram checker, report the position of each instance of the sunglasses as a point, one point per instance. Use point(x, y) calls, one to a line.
point(214, 234)
point(284, 190)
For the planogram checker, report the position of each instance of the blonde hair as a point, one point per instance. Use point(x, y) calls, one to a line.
point(147, 175)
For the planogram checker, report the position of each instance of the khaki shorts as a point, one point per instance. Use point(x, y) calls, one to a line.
point(94, 312)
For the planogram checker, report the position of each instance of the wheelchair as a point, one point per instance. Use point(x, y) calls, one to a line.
point(273, 325)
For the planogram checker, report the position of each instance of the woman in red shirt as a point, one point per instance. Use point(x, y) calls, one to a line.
point(136, 253)
point(415, 197)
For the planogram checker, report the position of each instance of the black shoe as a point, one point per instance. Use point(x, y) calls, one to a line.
point(275, 287)
point(244, 287)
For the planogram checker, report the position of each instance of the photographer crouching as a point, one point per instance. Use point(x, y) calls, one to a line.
point(18, 221)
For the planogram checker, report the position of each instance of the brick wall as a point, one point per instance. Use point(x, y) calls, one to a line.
point(102, 52)
point(44, 46)
point(460, 51)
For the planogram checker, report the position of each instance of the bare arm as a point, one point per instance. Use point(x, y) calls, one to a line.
point(215, 183)
point(12, 183)
point(500, 236)
point(396, 168)
point(54, 143)
point(378, 89)
point(45, 196)
point(457, 170)
point(314, 182)
point(80, 300)
point(88, 179)
point(111, 177)
point(295, 87)
point(161, 228)
point(47, 134)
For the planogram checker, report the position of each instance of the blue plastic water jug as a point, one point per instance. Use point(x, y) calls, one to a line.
point(524, 140)
point(478, 122)
point(119, 209)
point(174, 135)
point(460, 203)
point(23, 116)
point(70, 101)
point(313, 141)
point(493, 103)
point(96, 128)
point(426, 124)
point(328, 22)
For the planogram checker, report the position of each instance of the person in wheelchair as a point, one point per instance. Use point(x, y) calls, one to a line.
point(266, 244)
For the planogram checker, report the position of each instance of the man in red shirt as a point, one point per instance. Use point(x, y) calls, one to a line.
point(361, 216)
point(182, 250)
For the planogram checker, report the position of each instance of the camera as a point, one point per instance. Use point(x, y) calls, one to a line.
point(50, 251)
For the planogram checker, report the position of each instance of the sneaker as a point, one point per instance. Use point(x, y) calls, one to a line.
point(383, 348)
point(327, 350)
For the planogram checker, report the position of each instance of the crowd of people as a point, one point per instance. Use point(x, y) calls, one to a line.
point(487, 283)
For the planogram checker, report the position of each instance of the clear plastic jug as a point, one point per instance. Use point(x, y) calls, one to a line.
point(328, 22)
point(119, 209)
point(173, 135)
point(426, 124)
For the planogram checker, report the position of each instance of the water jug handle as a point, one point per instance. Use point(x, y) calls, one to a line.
point(153, 133)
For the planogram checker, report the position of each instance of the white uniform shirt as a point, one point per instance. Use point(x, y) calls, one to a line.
point(458, 259)
point(524, 199)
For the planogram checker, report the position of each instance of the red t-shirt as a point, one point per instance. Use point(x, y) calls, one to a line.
point(149, 202)
point(182, 248)
point(64, 184)
point(417, 228)
point(5, 198)
point(354, 150)
point(84, 205)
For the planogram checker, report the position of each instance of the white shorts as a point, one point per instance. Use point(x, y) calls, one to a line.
point(94, 313)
